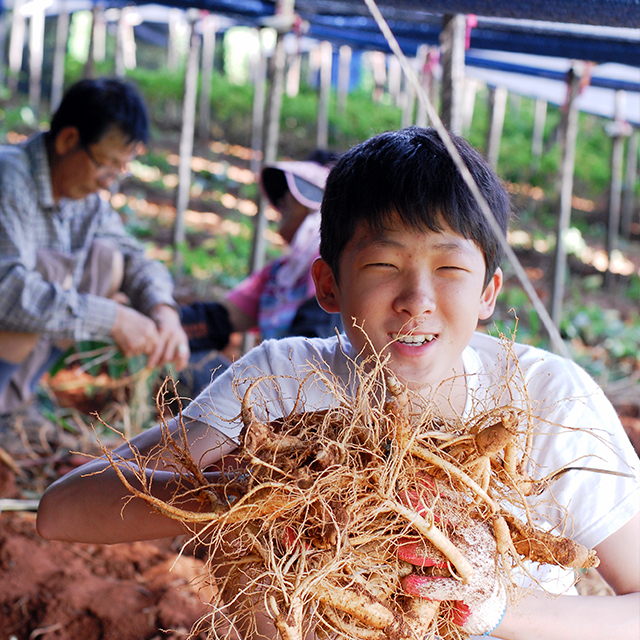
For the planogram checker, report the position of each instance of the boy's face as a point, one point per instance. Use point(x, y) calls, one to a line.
point(418, 296)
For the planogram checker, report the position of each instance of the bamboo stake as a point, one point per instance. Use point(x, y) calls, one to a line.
point(497, 110)
point(469, 103)
point(90, 64)
point(570, 135)
point(259, 96)
point(119, 54)
point(293, 75)
point(421, 69)
point(344, 76)
point(619, 129)
point(452, 44)
point(60, 53)
point(36, 48)
point(209, 29)
point(325, 95)
point(16, 45)
point(186, 147)
point(272, 131)
point(408, 98)
point(628, 194)
point(3, 43)
point(537, 137)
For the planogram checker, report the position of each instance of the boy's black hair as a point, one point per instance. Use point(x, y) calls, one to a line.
point(94, 106)
point(409, 173)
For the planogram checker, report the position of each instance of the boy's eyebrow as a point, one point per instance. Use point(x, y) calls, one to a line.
point(461, 247)
point(383, 240)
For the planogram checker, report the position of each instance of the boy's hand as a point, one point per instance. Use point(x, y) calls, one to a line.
point(479, 604)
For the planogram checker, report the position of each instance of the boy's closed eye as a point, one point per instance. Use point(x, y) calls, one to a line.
point(453, 267)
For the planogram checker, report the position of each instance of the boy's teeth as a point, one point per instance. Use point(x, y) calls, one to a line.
point(421, 339)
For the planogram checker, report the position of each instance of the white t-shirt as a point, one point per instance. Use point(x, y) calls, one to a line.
point(578, 427)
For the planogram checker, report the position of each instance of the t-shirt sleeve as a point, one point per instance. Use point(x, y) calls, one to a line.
point(581, 431)
point(575, 428)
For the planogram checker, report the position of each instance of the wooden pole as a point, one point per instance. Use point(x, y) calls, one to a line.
point(209, 29)
point(128, 38)
point(537, 137)
point(3, 43)
point(394, 79)
point(497, 110)
point(618, 130)
point(119, 61)
point(322, 140)
point(409, 93)
point(186, 147)
point(174, 57)
point(59, 56)
point(452, 48)
point(173, 48)
point(284, 10)
point(344, 77)
point(99, 34)
point(313, 66)
point(422, 71)
point(469, 103)
point(379, 69)
point(36, 49)
point(89, 70)
point(292, 83)
point(628, 191)
point(569, 137)
point(16, 45)
point(259, 99)
point(430, 85)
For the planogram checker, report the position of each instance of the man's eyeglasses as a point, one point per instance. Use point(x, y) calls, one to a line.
point(112, 169)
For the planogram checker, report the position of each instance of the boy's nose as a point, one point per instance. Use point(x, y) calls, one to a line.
point(417, 297)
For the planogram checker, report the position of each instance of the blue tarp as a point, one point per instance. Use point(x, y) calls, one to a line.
point(521, 26)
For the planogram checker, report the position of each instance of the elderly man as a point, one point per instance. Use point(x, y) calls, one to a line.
point(64, 252)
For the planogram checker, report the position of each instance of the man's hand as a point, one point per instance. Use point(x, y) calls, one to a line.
point(173, 344)
point(479, 604)
point(134, 333)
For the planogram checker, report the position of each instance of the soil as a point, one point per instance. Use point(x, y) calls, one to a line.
point(58, 591)
point(139, 591)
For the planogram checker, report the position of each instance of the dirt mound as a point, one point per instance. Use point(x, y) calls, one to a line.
point(60, 591)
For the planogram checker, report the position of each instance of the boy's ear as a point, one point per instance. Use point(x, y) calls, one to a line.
point(68, 139)
point(490, 295)
point(326, 287)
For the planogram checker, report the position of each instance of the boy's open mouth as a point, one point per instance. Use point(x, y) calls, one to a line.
point(414, 340)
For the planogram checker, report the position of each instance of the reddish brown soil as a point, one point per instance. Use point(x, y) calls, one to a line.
point(59, 591)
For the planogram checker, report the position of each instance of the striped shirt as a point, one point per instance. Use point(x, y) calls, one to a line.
point(30, 220)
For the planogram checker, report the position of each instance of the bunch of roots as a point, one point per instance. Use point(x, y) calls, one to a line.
point(310, 521)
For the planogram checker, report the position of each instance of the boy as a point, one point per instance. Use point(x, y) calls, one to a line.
point(408, 258)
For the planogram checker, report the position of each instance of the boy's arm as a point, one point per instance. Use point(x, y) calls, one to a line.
point(90, 504)
point(539, 617)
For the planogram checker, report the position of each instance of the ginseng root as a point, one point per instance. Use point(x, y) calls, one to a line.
point(544, 547)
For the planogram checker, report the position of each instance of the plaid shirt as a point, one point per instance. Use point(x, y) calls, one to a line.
point(31, 220)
